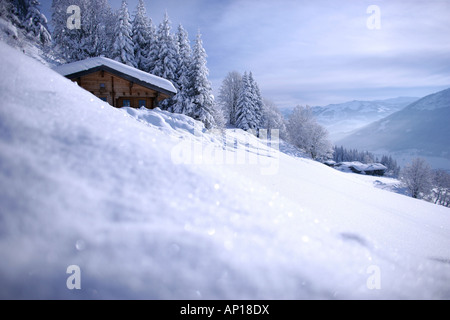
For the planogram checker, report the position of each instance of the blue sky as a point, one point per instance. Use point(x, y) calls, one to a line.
point(322, 51)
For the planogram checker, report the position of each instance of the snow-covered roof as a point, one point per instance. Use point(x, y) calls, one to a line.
point(369, 167)
point(99, 63)
point(364, 167)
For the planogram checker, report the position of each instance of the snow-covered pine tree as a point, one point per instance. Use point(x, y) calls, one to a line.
point(97, 37)
point(63, 38)
point(93, 38)
point(35, 24)
point(257, 101)
point(141, 36)
point(123, 48)
point(9, 12)
point(184, 55)
point(109, 23)
point(166, 64)
point(184, 62)
point(229, 94)
point(246, 118)
point(153, 49)
point(202, 106)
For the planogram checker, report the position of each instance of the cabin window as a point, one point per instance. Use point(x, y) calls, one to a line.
point(126, 103)
point(102, 86)
point(142, 103)
point(104, 99)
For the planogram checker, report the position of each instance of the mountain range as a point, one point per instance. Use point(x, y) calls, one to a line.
point(420, 129)
point(344, 118)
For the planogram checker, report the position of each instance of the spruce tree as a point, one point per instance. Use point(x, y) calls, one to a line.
point(184, 55)
point(64, 39)
point(141, 36)
point(245, 115)
point(249, 112)
point(9, 12)
point(92, 38)
point(35, 24)
point(184, 62)
point(201, 100)
point(97, 38)
point(123, 48)
point(153, 49)
point(166, 63)
point(258, 103)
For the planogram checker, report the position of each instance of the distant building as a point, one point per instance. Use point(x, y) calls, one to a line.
point(371, 169)
point(118, 84)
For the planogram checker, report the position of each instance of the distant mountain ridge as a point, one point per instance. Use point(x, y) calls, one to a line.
point(422, 128)
point(344, 118)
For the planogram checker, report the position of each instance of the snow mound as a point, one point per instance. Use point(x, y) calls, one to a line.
point(166, 121)
point(85, 184)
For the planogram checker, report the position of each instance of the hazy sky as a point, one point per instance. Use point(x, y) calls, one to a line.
point(318, 52)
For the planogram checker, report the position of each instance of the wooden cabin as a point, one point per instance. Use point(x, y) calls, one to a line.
point(118, 84)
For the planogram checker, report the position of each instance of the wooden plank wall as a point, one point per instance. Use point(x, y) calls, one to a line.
point(115, 89)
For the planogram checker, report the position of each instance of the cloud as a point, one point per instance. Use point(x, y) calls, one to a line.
point(325, 47)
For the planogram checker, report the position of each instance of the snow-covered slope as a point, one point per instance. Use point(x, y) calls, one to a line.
point(344, 118)
point(420, 129)
point(141, 202)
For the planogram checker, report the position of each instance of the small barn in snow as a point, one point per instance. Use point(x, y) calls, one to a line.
point(372, 169)
point(118, 84)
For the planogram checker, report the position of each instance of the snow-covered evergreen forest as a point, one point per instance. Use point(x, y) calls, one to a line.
point(125, 36)
point(133, 39)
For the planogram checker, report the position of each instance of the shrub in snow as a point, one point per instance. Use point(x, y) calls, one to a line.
point(305, 133)
point(273, 119)
point(229, 95)
point(417, 177)
point(441, 188)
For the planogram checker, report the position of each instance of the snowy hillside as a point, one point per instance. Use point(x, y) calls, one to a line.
point(420, 129)
point(140, 201)
point(342, 119)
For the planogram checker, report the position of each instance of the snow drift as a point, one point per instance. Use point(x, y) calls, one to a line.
point(88, 185)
